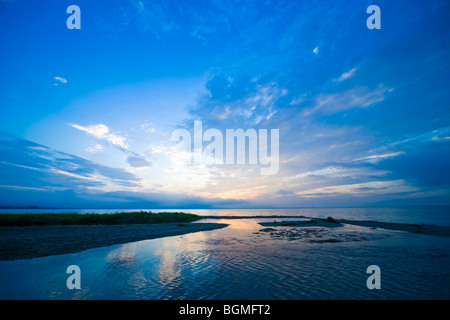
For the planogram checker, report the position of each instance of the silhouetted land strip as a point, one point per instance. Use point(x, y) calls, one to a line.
point(39, 241)
point(328, 223)
point(54, 219)
point(427, 229)
point(24, 236)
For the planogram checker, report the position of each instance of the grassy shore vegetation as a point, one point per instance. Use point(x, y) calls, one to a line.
point(330, 220)
point(52, 219)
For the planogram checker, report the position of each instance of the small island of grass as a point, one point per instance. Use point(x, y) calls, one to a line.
point(56, 219)
point(330, 220)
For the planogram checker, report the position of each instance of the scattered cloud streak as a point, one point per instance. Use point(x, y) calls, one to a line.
point(347, 75)
point(359, 97)
point(59, 81)
point(101, 132)
point(95, 148)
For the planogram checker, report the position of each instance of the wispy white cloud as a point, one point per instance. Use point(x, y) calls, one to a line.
point(346, 75)
point(147, 127)
point(22, 188)
point(47, 168)
point(440, 138)
point(95, 148)
point(60, 80)
point(378, 157)
point(359, 97)
point(328, 172)
point(101, 132)
point(441, 134)
point(372, 187)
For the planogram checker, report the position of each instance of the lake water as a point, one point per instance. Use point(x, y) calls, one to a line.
point(243, 262)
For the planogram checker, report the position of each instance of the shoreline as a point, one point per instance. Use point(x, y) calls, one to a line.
point(27, 242)
point(426, 229)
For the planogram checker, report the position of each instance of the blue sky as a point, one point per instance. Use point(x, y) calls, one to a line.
point(87, 115)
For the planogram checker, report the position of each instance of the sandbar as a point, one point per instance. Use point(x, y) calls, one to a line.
point(427, 229)
point(39, 241)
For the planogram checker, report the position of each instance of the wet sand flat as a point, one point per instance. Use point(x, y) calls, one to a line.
point(39, 241)
point(426, 229)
